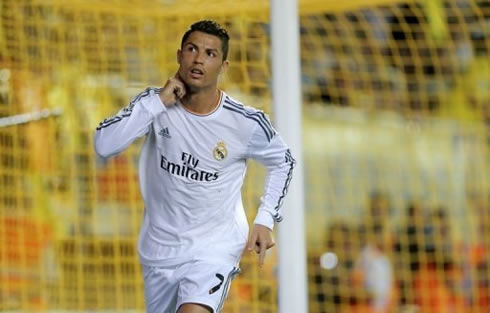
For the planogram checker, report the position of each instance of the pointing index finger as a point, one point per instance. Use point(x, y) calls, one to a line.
point(263, 249)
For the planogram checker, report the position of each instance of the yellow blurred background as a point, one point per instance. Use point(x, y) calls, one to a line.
point(396, 124)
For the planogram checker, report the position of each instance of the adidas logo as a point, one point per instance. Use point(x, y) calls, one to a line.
point(164, 132)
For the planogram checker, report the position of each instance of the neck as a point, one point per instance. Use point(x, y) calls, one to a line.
point(202, 102)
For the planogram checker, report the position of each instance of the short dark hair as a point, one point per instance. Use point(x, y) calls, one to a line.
point(212, 28)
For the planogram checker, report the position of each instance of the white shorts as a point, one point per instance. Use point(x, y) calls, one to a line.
point(205, 283)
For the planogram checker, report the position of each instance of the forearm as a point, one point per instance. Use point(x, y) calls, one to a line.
point(276, 187)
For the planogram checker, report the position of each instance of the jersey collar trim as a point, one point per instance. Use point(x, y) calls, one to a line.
point(210, 114)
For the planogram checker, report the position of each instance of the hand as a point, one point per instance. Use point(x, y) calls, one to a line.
point(173, 90)
point(260, 240)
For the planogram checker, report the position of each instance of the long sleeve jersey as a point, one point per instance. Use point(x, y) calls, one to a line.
point(191, 170)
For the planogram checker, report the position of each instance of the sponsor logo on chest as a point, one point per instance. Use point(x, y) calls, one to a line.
point(187, 168)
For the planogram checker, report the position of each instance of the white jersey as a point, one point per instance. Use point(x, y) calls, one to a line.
point(191, 171)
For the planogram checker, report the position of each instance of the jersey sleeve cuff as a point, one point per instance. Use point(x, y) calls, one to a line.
point(154, 105)
point(264, 218)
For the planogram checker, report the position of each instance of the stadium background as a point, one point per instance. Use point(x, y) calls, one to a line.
point(396, 146)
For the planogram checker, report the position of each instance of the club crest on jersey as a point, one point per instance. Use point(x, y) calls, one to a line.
point(220, 151)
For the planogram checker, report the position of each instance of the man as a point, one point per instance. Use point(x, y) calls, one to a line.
point(192, 165)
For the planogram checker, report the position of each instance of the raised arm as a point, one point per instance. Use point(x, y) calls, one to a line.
point(116, 133)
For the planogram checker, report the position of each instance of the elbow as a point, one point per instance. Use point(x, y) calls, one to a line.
point(101, 148)
point(101, 151)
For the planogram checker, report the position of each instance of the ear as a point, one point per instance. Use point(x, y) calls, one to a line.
point(224, 67)
point(179, 53)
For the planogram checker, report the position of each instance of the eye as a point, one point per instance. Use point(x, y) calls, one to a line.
point(211, 54)
point(191, 48)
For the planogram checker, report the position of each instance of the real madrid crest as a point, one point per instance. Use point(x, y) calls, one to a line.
point(220, 151)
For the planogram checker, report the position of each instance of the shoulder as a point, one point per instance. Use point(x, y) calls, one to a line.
point(146, 94)
point(250, 115)
point(238, 107)
point(149, 91)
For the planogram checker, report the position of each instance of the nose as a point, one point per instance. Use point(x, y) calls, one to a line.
point(199, 58)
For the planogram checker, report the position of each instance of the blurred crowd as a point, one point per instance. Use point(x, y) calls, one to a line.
point(419, 265)
point(426, 59)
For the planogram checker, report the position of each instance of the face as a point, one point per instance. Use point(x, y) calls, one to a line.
point(201, 61)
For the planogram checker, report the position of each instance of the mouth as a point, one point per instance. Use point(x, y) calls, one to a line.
point(196, 73)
